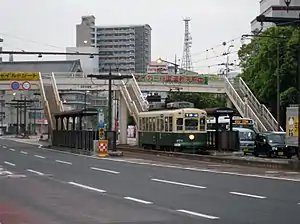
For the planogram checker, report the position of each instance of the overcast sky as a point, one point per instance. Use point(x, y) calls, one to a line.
point(50, 24)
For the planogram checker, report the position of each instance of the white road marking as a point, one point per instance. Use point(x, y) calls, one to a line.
point(64, 162)
point(291, 172)
point(298, 203)
point(41, 157)
point(36, 172)
point(4, 147)
point(103, 170)
point(197, 214)
point(162, 165)
point(87, 187)
point(8, 163)
point(11, 149)
point(178, 183)
point(248, 195)
point(138, 200)
point(271, 172)
point(25, 153)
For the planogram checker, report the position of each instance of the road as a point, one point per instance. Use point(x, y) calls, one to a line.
point(39, 185)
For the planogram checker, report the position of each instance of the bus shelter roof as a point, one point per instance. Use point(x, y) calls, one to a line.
point(221, 111)
point(77, 113)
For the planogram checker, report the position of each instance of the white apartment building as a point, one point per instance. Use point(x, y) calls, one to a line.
point(275, 8)
point(130, 45)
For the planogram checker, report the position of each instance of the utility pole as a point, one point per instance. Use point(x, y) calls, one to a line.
point(25, 104)
point(295, 22)
point(279, 50)
point(110, 77)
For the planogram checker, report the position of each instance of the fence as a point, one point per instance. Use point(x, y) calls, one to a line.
point(75, 141)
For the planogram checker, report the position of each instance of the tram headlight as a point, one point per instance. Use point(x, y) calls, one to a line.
point(191, 137)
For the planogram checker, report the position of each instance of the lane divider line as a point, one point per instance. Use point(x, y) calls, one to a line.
point(25, 153)
point(248, 195)
point(178, 183)
point(10, 149)
point(36, 172)
point(63, 162)
point(41, 157)
point(103, 170)
point(87, 187)
point(138, 200)
point(10, 164)
point(198, 214)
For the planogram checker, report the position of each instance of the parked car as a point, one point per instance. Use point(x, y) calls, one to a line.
point(272, 144)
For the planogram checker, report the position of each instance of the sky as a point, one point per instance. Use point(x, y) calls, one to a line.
point(40, 25)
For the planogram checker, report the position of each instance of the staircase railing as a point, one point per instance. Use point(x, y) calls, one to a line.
point(45, 102)
point(133, 110)
point(143, 102)
point(264, 112)
point(243, 108)
point(56, 93)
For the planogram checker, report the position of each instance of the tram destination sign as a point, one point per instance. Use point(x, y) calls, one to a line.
point(166, 78)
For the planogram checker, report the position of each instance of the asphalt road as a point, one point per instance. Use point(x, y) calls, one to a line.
point(66, 188)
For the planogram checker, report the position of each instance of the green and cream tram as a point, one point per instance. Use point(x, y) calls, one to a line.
point(183, 129)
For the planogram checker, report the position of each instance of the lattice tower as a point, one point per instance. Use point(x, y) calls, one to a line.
point(186, 62)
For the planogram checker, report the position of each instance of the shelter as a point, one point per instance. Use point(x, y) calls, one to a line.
point(73, 114)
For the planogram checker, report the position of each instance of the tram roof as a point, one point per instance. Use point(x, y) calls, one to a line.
point(169, 112)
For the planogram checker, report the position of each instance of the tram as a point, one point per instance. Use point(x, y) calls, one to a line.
point(179, 127)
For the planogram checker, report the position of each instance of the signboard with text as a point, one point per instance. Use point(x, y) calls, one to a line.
point(183, 78)
point(19, 76)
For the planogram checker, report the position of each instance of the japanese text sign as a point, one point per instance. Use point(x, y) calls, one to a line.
point(19, 76)
point(188, 79)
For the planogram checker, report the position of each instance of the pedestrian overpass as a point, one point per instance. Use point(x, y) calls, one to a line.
point(131, 97)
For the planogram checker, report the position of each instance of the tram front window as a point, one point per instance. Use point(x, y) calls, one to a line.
point(191, 124)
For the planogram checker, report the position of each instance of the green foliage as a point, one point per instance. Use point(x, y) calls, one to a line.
point(200, 100)
point(259, 66)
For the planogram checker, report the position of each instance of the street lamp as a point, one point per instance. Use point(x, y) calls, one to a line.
point(277, 73)
point(160, 60)
point(287, 2)
point(227, 58)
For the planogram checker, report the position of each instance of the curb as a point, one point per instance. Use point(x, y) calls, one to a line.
point(290, 165)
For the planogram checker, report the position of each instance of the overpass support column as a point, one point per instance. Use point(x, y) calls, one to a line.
point(123, 121)
point(228, 103)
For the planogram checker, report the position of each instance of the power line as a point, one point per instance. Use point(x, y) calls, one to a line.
point(219, 45)
point(213, 57)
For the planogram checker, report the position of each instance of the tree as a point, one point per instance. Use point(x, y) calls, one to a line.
point(259, 66)
point(200, 100)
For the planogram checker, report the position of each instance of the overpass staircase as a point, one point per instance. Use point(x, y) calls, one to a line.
point(133, 97)
point(249, 106)
point(51, 99)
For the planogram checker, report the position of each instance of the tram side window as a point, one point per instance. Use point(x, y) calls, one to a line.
point(166, 124)
point(143, 128)
point(146, 124)
point(140, 124)
point(150, 124)
point(202, 124)
point(170, 123)
point(161, 124)
point(179, 124)
point(154, 124)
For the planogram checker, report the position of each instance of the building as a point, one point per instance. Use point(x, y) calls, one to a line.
point(275, 8)
point(1, 41)
point(88, 64)
point(130, 44)
point(71, 98)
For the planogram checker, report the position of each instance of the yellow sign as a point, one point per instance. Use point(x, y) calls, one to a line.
point(292, 126)
point(101, 132)
point(19, 76)
point(102, 148)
